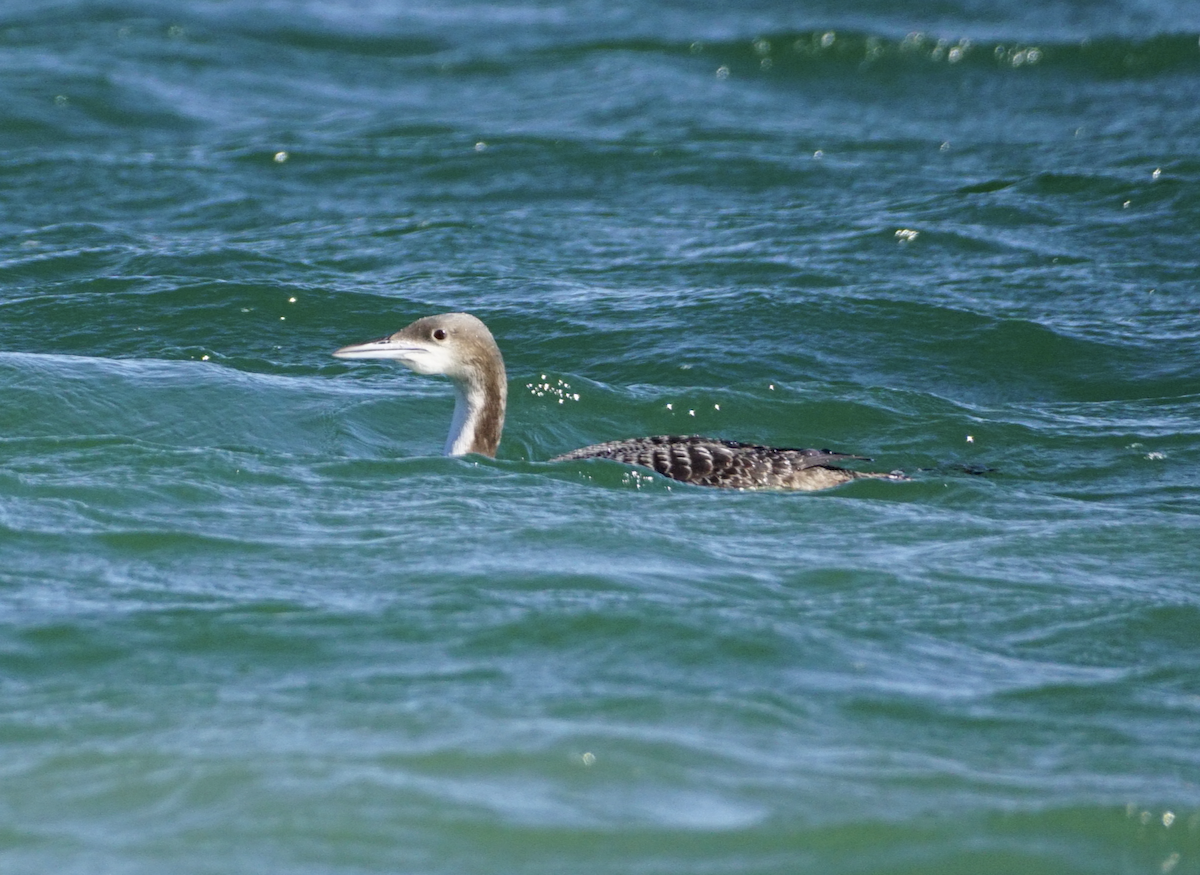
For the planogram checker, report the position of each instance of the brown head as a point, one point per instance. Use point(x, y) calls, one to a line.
point(458, 346)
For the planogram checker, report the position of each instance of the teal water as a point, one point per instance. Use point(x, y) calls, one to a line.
point(251, 622)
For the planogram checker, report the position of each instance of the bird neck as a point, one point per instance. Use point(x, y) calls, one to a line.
point(479, 402)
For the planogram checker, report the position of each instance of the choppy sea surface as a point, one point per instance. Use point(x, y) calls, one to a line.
point(252, 622)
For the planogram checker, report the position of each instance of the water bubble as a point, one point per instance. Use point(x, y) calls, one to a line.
point(722, 72)
point(588, 758)
point(61, 100)
point(766, 63)
point(762, 47)
point(1157, 173)
point(827, 39)
point(696, 48)
point(818, 155)
point(907, 235)
point(480, 146)
point(281, 156)
point(1168, 818)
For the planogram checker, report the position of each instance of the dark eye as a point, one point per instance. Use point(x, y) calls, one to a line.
point(439, 334)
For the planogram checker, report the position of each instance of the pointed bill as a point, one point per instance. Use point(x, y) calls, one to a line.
point(385, 348)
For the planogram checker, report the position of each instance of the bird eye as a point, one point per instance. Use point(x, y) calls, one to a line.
point(439, 334)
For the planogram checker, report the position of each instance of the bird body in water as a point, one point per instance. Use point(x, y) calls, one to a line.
point(460, 346)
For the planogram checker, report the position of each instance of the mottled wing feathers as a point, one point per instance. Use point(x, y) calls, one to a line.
point(709, 462)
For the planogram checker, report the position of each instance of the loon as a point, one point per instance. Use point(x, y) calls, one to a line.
point(460, 346)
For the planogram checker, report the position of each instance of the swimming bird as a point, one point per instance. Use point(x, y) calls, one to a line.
point(460, 346)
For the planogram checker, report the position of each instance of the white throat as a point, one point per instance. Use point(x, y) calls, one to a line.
point(468, 403)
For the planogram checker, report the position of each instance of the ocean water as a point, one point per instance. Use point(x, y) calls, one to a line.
point(251, 622)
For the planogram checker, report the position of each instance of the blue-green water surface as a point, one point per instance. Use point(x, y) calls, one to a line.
point(252, 622)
